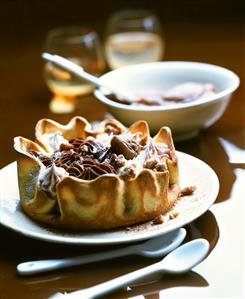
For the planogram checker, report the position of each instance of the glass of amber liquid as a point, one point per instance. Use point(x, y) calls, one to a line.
point(133, 36)
point(83, 47)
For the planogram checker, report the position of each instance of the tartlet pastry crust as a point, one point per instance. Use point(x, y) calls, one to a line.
point(105, 202)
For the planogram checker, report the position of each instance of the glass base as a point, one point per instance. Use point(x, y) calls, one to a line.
point(59, 104)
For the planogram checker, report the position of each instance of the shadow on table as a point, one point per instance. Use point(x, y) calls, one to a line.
point(71, 279)
point(151, 289)
point(209, 149)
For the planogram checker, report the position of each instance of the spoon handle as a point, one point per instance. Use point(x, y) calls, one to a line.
point(108, 286)
point(74, 68)
point(167, 243)
point(35, 267)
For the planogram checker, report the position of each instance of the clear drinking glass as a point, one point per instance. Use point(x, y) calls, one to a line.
point(80, 45)
point(133, 36)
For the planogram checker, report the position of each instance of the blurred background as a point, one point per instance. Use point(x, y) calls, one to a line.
point(211, 31)
point(193, 30)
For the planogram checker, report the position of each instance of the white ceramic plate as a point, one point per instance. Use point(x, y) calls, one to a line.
point(192, 172)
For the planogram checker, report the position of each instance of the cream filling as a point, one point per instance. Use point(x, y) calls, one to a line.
point(49, 177)
point(54, 140)
point(148, 153)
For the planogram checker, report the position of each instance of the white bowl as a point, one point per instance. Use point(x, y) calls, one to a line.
point(184, 119)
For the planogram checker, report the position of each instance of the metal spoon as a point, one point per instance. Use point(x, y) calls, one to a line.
point(178, 261)
point(79, 71)
point(155, 247)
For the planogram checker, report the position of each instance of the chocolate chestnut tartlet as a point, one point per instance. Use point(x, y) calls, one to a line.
point(77, 177)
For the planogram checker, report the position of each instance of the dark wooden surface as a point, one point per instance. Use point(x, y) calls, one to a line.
point(24, 99)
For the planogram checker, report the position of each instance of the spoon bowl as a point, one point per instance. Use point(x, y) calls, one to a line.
point(159, 246)
point(185, 257)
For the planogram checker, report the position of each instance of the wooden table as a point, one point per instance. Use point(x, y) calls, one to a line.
point(24, 100)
